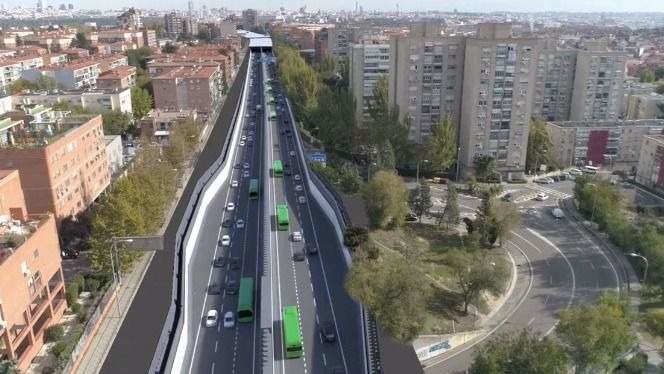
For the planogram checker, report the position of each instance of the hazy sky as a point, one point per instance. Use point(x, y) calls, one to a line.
point(444, 5)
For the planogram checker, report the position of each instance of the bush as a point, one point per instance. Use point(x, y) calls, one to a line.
point(82, 315)
point(92, 285)
point(48, 370)
point(54, 333)
point(58, 349)
point(72, 293)
point(75, 307)
point(80, 280)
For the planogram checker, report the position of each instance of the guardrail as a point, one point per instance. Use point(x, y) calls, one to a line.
point(175, 327)
point(326, 195)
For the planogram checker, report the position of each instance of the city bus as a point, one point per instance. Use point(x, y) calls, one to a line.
point(245, 305)
point(282, 217)
point(277, 168)
point(292, 334)
point(253, 189)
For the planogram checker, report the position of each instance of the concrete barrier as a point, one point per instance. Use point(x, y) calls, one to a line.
point(429, 346)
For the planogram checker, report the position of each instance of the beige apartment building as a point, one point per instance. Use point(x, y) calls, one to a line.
point(32, 291)
point(366, 65)
point(554, 82)
point(118, 78)
point(426, 77)
point(650, 169)
point(615, 145)
point(185, 88)
point(95, 100)
point(498, 92)
point(645, 106)
point(62, 163)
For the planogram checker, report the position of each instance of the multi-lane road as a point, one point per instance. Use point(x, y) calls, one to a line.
point(559, 266)
point(262, 252)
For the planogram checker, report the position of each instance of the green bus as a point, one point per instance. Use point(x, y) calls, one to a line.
point(245, 305)
point(253, 189)
point(282, 217)
point(273, 114)
point(292, 334)
point(277, 168)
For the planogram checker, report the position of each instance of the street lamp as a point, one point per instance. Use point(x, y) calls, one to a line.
point(645, 271)
point(417, 173)
point(114, 248)
point(592, 213)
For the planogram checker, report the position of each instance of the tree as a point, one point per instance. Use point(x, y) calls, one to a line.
point(441, 146)
point(393, 292)
point(419, 199)
point(116, 122)
point(596, 336)
point(506, 217)
point(660, 89)
point(659, 73)
point(139, 57)
point(539, 146)
point(485, 166)
point(386, 198)
point(335, 120)
point(355, 236)
point(169, 48)
point(654, 321)
point(484, 223)
point(81, 41)
point(350, 180)
point(647, 76)
point(474, 273)
point(182, 141)
point(451, 213)
point(384, 124)
point(523, 352)
point(141, 102)
point(8, 366)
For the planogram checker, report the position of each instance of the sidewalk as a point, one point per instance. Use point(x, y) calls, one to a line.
point(93, 357)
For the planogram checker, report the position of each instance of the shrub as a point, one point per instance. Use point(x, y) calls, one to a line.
point(82, 314)
point(48, 370)
point(80, 280)
point(75, 307)
point(58, 348)
point(54, 333)
point(92, 285)
point(72, 293)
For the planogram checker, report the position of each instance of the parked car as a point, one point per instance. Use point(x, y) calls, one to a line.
point(69, 253)
point(507, 197)
point(328, 332)
point(557, 213)
point(545, 180)
point(214, 289)
point(541, 196)
point(219, 262)
point(229, 320)
point(411, 217)
point(235, 263)
point(575, 171)
point(225, 241)
point(298, 256)
point(227, 223)
point(211, 318)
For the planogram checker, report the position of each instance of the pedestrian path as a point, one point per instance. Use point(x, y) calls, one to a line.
point(548, 191)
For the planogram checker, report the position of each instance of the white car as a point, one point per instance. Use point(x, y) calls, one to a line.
point(229, 320)
point(557, 213)
point(298, 188)
point(246, 174)
point(575, 172)
point(241, 143)
point(246, 165)
point(296, 236)
point(541, 196)
point(297, 177)
point(234, 183)
point(302, 200)
point(292, 153)
point(239, 224)
point(211, 318)
point(243, 137)
point(230, 207)
point(225, 241)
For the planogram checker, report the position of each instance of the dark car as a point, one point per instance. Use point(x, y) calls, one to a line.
point(219, 262)
point(327, 332)
point(231, 287)
point(298, 256)
point(507, 197)
point(312, 249)
point(288, 172)
point(411, 217)
point(235, 263)
point(237, 166)
point(214, 289)
point(227, 223)
point(69, 253)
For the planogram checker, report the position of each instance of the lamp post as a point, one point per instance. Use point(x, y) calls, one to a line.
point(114, 248)
point(417, 172)
point(592, 213)
point(645, 271)
point(458, 159)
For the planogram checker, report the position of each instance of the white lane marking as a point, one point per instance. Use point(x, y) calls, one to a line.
point(324, 359)
point(530, 322)
point(216, 346)
point(528, 242)
point(546, 300)
point(212, 370)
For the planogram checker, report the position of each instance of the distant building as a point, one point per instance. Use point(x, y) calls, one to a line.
point(645, 106)
point(150, 38)
point(173, 24)
point(75, 75)
point(366, 65)
point(62, 162)
point(32, 289)
point(114, 153)
point(131, 19)
point(498, 85)
point(249, 19)
point(118, 78)
point(12, 69)
point(650, 169)
point(94, 100)
point(334, 42)
point(613, 144)
point(186, 88)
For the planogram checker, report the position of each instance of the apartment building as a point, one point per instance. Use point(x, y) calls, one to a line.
point(118, 78)
point(650, 169)
point(614, 144)
point(115, 154)
point(52, 41)
point(185, 88)
point(249, 19)
point(121, 35)
point(334, 42)
point(498, 91)
point(96, 100)
point(62, 162)
point(72, 76)
point(598, 84)
point(150, 38)
point(366, 65)
point(173, 24)
point(554, 82)
point(426, 77)
point(12, 68)
point(32, 291)
point(645, 106)
point(159, 123)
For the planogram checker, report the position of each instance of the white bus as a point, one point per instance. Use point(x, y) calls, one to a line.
point(591, 169)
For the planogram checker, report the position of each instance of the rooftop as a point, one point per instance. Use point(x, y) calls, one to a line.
point(189, 72)
point(13, 233)
point(119, 72)
point(42, 134)
point(609, 123)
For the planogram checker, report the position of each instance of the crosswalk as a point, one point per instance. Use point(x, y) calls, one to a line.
point(548, 191)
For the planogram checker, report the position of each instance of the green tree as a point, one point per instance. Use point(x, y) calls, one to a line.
point(485, 224)
point(451, 214)
point(116, 122)
point(81, 41)
point(8, 366)
point(539, 146)
point(141, 102)
point(485, 166)
point(441, 146)
point(596, 336)
point(350, 180)
point(419, 199)
point(647, 76)
point(393, 291)
point(169, 48)
point(355, 236)
point(385, 157)
point(506, 217)
point(523, 352)
point(335, 120)
point(182, 141)
point(597, 198)
point(385, 125)
point(386, 199)
point(654, 321)
point(301, 82)
point(139, 57)
point(474, 273)
point(659, 73)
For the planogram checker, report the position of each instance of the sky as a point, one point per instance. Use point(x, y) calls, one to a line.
point(405, 5)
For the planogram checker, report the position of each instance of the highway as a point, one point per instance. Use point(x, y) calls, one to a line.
point(559, 266)
point(315, 285)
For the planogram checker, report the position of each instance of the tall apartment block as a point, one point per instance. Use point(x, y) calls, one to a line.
point(426, 77)
point(554, 82)
point(366, 65)
point(598, 84)
point(498, 87)
point(62, 161)
point(32, 291)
